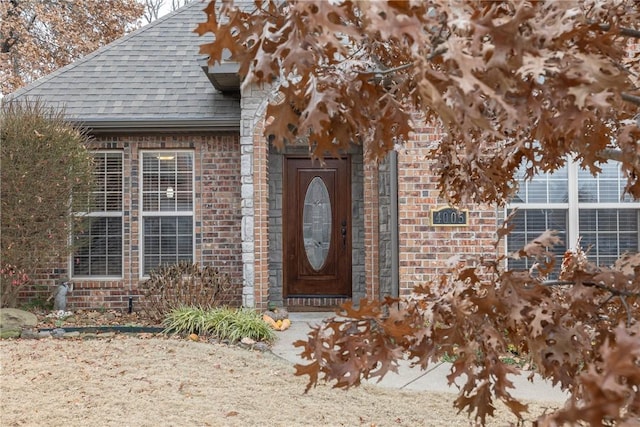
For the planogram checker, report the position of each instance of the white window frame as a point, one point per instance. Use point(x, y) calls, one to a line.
point(174, 213)
point(578, 206)
point(104, 214)
point(573, 207)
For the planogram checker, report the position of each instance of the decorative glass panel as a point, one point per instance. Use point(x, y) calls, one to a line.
point(316, 223)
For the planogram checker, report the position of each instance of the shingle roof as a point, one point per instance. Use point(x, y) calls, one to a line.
point(150, 75)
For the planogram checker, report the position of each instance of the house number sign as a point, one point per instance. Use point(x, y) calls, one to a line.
point(449, 217)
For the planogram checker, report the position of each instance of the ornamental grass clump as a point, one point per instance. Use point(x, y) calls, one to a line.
point(223, 323)
point(218, 322)
point(188, 320)
point(248, 323)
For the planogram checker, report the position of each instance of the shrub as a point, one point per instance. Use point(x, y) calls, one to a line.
point(224, 323)
point(44, 162)
point(184, 285)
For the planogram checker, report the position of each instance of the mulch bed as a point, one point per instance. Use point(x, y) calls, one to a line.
point(95, 318)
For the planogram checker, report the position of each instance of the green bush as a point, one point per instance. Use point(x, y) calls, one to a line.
point(184, 285)
point(224, 323)
point(44, 161)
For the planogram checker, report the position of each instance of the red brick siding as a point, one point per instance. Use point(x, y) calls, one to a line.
point(424, 248)
point(217, 218)
point(261, 217)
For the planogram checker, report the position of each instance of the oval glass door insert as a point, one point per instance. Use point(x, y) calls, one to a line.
point(316, 223)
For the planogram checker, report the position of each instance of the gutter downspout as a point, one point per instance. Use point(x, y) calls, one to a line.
point(395, 244)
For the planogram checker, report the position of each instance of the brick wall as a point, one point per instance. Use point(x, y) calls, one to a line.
point(424, 248)
point(217, 219)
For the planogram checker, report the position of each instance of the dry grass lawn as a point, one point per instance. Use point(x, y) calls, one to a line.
point(129, 381)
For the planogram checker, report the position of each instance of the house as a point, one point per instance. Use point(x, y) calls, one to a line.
point(186, 174)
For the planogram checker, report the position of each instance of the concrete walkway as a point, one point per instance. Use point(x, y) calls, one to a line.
point(408, 378)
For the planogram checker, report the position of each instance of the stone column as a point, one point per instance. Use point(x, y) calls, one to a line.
point(252, 106)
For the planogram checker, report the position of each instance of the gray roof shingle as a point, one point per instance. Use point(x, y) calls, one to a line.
point(149, 76)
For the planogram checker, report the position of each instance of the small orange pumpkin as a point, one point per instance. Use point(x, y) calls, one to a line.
point(285, 324)
point(270, 321)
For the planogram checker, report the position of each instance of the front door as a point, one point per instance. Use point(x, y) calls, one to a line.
point(317, 228)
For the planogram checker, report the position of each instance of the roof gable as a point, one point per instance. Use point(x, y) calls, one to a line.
point(150, 75)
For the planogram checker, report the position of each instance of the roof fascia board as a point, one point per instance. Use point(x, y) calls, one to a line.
point(138, 126)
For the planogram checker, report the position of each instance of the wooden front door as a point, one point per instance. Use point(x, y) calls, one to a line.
point(317, 228)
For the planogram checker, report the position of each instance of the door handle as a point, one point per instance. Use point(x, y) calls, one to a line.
point(343, 230)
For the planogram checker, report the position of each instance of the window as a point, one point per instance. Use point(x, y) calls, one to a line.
point(167, 208)
point(98, 241)
point(577, 204)
point(608, 220)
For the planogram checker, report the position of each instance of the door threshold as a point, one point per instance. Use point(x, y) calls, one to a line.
point(315, 303)
point(309, 309)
